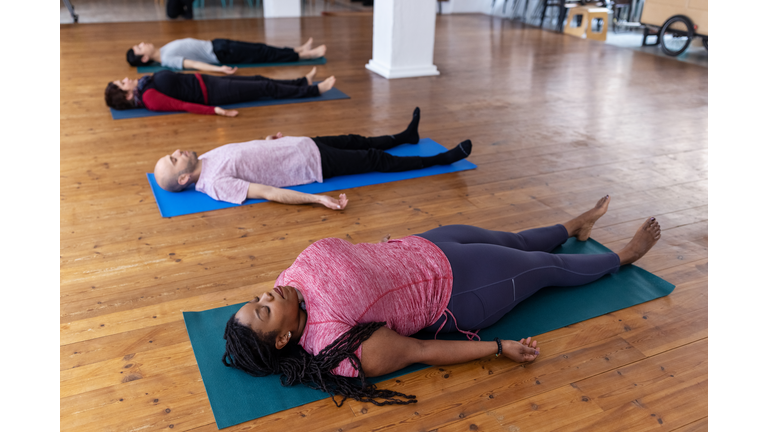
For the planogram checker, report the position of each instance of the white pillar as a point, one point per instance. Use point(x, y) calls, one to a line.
point(403, 38)
point(282, 8)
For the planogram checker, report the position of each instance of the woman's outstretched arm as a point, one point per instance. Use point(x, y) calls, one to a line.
point(386, 351)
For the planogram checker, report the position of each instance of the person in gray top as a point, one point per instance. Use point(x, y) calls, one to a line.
point(214, 55)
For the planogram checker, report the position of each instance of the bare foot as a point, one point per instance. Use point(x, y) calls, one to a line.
point(581, 226)
point(311, 75)
point(306, 47)
point(326, 85)
point(645, 237)
point(313, 53)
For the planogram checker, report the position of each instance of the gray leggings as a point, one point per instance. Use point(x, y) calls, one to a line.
point(493, 271)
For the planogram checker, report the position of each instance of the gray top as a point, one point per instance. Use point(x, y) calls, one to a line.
point(173, 53)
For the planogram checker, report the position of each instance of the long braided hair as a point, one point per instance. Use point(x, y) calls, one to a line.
point(256, 354)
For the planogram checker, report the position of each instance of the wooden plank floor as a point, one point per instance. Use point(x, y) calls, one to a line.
point(556, 122)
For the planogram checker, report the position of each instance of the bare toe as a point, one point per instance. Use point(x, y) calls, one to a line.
point(603, 202)
point(655, 229)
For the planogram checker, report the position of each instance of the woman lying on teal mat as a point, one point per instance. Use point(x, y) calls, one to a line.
point(202, 94)
point(343, 312)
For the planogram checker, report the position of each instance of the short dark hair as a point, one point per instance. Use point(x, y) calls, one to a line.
point(135, 60)
point(116, 98)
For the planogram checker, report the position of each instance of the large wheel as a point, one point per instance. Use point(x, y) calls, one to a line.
point(673, 40)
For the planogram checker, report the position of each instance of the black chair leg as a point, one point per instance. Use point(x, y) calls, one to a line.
point(561, 16)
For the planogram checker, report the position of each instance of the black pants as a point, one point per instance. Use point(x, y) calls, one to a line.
point(224, 90)
point(174, 8)
point(233, 52)
point(355, 154)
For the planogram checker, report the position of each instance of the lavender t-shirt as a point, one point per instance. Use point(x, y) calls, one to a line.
point(228, 170)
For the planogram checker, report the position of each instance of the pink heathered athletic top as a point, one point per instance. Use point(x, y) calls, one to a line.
point(405, 282)
point(229, 169)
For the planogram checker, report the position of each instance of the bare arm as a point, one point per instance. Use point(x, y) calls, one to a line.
point(386, 351)
point(194, 64)
point(287, 196)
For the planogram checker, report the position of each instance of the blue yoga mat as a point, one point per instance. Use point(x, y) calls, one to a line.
point(191, 201)
point(331, 94)
point(154, 67)
point(237, 397)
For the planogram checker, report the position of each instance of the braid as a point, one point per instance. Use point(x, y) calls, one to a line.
point(252, 353)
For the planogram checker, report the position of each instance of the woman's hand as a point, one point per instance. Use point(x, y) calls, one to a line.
point(333, 203)
point(521, 352)
point(225, 113)
point(228, 70)
point(274, 137)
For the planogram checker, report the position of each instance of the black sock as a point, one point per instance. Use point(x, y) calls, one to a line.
point(453, 155)
point(411, 134)
point(456, 154)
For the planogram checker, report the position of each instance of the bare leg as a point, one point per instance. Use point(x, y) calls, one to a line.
point(581, 226)
point(645, 237)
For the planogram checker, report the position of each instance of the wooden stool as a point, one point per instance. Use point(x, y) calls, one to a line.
point(580, 11)
point(587, 14)
point(597, 13)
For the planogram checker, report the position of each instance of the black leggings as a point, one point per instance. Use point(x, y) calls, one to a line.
point(234, 52)
point(355, 154)
point(493, 271)
point(225, 90)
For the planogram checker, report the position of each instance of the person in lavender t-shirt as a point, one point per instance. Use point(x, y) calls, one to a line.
point(262, 168)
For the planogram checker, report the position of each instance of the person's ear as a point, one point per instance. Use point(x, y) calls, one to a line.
point(283, 340)
point(144, 58)
point(184, 179)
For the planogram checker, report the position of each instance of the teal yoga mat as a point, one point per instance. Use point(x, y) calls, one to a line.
point(237, 397)
point(154, 67)
point(332, 94)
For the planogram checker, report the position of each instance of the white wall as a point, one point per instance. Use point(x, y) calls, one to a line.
point(468, 6)
point(282, 8)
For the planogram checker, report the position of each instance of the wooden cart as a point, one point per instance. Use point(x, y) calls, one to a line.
point(677, 21)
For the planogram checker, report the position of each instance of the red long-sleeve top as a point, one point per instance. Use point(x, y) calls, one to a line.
point(155, 100)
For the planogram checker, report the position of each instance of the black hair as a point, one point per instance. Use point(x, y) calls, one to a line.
point(256, 354)
point(116, 98)
point(135, 60)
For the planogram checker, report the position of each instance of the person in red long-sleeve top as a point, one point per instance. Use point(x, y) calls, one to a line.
point(203, 94)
